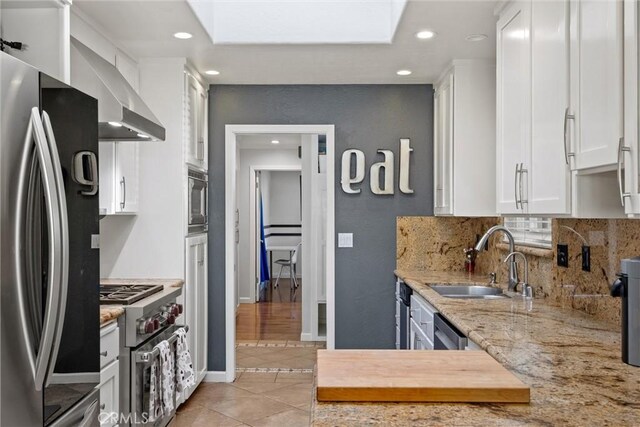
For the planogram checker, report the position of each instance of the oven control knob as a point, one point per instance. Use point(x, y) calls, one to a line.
point(175, 310)
point(156, 324)
point(180, 308)
point(171, 319)
point(142, 326)
point(149, 327)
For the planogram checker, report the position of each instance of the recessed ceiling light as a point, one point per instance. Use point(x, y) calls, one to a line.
point(182, 35)
point(476, 37)
point(426, 34)
point(403, 72)
point(115, 124)
point(142, 135)
point(212, 72)
point(275, 141)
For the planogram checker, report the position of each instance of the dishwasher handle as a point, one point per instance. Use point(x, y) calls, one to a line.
point(447, 334)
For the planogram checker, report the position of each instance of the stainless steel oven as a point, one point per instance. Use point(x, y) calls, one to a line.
point(198, 214)
point(141, 360)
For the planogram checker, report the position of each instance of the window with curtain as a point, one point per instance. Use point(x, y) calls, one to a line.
point(530, 231)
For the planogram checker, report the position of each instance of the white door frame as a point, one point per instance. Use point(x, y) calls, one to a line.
point(253, 249)
point(231, 131)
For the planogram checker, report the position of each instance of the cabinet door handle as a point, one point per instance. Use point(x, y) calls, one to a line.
point(104, 353)
point(522, 199)
point(123, 198)
point(515, 183)
point(621, 150)
point(567, 117)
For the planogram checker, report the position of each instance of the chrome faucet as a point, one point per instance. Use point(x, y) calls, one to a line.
point(513, 266)
point(526, 289)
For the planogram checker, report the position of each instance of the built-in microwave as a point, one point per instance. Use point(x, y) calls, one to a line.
point(198, 214)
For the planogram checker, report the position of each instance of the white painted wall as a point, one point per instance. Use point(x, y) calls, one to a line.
point(151, 244)
point(284, 208)
point(253, 158)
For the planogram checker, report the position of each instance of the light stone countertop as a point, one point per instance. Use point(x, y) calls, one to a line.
point(111, 312)
point(570, 360)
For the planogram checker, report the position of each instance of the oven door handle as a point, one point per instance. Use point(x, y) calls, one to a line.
point(148, 356)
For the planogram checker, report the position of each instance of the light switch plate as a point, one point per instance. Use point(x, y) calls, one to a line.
point(95, 241)
point(345, 240)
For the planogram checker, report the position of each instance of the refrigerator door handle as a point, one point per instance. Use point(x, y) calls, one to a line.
point(40, 362)
point(63, 237)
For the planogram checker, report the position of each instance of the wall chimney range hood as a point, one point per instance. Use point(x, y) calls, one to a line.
point(122, 114)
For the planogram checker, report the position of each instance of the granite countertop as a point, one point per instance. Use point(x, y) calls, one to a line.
point(570, 360)
point(111, 312)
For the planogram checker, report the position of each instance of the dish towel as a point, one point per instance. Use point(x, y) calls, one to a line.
point(155, 398)
point(167, 378)
point(185, 377)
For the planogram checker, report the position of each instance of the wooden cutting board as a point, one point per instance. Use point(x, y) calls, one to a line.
point(415, 376)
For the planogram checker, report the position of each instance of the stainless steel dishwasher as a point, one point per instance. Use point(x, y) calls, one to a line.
point(447, 336)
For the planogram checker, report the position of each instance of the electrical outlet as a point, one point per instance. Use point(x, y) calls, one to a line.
point(586, 258)
point(563, 255)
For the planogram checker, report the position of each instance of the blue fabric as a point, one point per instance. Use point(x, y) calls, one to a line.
point(264, 260)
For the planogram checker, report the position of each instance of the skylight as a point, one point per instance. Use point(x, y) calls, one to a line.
point(299, 21)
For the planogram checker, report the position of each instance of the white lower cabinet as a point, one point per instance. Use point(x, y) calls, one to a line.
point(109, 375)
point(195, 302)
point(421, 324)
point(119, 178)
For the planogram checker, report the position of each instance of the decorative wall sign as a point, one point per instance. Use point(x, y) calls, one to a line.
point(385, 167)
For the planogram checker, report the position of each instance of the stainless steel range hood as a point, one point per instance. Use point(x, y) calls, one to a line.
point(122, 114)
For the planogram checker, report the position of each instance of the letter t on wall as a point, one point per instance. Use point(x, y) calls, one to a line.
point(405, 154)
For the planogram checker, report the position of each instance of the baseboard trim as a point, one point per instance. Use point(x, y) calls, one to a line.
point(306, 337)
point(215, 377)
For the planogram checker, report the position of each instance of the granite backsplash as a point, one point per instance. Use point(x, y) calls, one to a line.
point(437, 243)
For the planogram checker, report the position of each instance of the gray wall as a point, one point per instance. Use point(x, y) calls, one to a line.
point(366, 117)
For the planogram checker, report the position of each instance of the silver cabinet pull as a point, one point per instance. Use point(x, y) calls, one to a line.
point(515, 183)
point(567, 117)
point(123, 198)
point(104, 405)
point(104, 353)
point(621, 150)
point(522, 199)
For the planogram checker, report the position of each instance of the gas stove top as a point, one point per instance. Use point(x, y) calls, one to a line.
point(126, 294)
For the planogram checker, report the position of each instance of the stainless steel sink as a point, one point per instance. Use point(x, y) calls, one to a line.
point(469, 291)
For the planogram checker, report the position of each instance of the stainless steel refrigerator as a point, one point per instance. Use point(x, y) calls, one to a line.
point(49, 261)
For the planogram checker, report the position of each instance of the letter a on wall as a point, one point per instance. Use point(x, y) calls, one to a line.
point(387, 168)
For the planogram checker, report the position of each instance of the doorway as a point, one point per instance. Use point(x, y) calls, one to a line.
point(311, 221)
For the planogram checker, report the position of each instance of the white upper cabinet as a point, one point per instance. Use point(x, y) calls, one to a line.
point(559, 108)
point(628, 178)
point(513, 107)
point(549, 177)
point(196, 100)
point(43, 28)
point(596, 83)
point(119, 178)
point(464, 140)
point(443, 145)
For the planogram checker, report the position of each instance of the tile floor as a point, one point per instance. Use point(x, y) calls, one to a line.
point(273, 387)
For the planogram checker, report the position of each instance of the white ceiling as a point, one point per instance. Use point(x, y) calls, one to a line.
point(145, 28)
point(290, 141)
